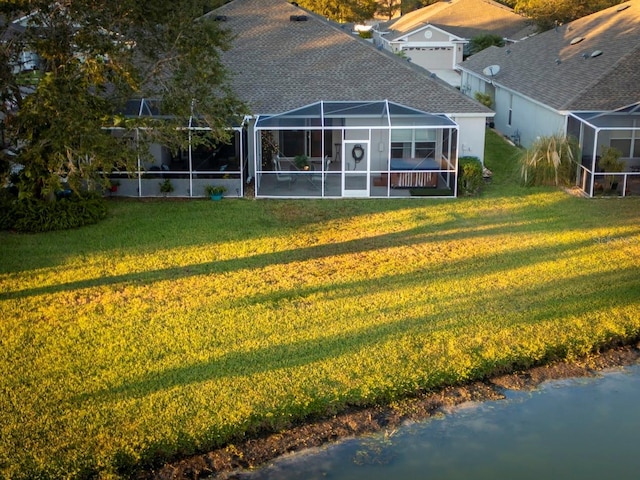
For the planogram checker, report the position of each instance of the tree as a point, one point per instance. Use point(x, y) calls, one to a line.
point(342, 10)
point(480, 42)
point(94, 55)
point(388, 8)
point(548, 13)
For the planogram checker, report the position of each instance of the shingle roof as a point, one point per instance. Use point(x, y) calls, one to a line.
point(550, 69)
point(279, 65)
point(464, 18)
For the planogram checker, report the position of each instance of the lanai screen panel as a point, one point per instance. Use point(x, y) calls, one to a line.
point(353, 114)
point(626, 118)
point(402, 116)
point(308, 116)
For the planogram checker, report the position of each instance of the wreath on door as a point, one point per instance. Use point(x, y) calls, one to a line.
point(357, 153)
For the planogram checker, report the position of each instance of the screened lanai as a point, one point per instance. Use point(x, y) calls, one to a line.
point(597, 131)
point(187, 170)
point(355, 149)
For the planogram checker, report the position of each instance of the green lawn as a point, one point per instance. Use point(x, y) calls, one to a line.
point(176, 326)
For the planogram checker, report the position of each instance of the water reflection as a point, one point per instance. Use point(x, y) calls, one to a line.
point(578, 428)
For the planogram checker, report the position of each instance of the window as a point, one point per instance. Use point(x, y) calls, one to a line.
point(292, 143)
point(425, 144)
point(627, 141)
point(624, 145)
point(510, 110)
point(413, 143)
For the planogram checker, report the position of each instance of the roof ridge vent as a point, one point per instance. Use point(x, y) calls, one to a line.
point(622, 7)
point(298, 18)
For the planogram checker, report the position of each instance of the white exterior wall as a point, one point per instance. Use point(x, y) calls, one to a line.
point(459, 53)
point(529, 120)
point(471, 136)
point(430, 48)
point(428, 34)
point(160, 154)
point(470, 84)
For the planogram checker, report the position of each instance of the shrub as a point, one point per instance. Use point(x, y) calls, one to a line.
point(550, 161)
point(610, 162)
point(33, 215)
point(480, 42)
point(469, 176)
point(7, 210)
point(484, 98)
point(166, 186)
point(215, 189)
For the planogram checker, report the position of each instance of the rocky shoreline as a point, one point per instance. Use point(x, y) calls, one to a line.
point(228, 462)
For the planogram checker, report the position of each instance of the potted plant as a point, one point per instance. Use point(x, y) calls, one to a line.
point(301, 162)
point(215, 192)
point(166, 187)
point(610, 162)
point(113, 185)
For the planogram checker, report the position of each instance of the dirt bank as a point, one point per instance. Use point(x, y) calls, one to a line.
point(225, 463)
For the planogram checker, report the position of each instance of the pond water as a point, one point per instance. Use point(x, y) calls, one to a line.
point(586, 428)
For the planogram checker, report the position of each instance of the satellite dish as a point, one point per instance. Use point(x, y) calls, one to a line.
point(491, 70)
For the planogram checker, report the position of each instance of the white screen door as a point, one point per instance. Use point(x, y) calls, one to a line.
point(355, 168)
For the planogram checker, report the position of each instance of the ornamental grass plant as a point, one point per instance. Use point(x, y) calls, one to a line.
point(175, 327)
point(551, 160)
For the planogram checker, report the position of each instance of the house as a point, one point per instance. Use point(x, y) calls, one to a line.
point(366, 122)
point(582, 79)
point(436, 37)
point(12, 30)
point(369, 123)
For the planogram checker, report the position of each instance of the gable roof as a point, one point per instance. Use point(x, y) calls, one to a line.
point(552, 70)
point(279, 65)
point(463, 18)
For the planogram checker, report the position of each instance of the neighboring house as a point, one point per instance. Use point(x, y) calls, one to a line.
point(315, 89)
point(582, 78)
point(26, 61)
point(436, 37)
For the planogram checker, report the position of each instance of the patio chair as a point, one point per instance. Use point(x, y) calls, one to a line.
point(281, 176)
point(318, 176)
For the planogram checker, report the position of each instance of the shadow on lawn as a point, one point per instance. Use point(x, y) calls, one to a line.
point(455, 229)
point(142, 227)
point(514, 310)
